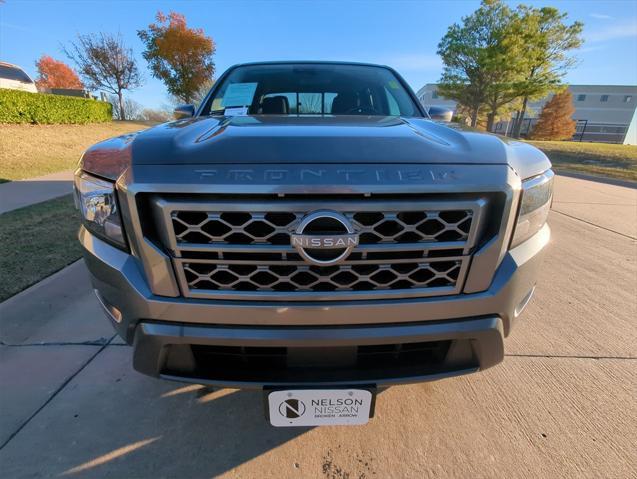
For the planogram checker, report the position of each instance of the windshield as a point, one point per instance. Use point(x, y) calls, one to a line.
point(312, 89)
point(14, 73)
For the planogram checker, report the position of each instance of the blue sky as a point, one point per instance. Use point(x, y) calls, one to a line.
point(401, 34)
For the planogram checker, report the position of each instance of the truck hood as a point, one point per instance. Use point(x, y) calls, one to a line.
point(261, 140)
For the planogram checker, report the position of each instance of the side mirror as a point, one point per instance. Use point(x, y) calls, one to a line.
point(184, 111)
point(440, 114)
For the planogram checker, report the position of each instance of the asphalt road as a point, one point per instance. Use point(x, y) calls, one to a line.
point(561, 405)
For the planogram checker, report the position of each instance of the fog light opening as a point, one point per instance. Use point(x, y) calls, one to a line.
point(525, 301)
point(114, 313)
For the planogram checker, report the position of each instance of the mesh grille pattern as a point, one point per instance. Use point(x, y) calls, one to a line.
point(234, 247)
point(275, 227)
point(301, 277)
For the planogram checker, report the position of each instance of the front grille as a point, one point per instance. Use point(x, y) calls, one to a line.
point(234, 249)
point(231, 227)
point(302, 277)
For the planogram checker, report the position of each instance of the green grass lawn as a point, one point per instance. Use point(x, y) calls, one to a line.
point(601, 159)
point(36, 242)
point(33, 150)
point(27, 151)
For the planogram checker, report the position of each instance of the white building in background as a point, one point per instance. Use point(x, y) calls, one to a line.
point(605, 113)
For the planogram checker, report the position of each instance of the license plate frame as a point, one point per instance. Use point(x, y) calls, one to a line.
point(304, 413)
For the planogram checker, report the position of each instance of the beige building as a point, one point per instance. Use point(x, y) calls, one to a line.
point(605, 113)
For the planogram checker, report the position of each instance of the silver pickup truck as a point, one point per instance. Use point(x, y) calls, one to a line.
point(308, 230)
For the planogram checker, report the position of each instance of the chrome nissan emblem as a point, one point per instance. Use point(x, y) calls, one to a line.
point(324, 238)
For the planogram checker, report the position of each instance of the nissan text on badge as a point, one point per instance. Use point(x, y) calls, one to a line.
point(311, 232)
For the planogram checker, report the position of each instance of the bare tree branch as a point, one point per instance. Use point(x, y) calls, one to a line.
point(105, 63)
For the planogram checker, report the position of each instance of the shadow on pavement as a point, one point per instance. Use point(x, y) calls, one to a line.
point(111, 421)
point(200, 434)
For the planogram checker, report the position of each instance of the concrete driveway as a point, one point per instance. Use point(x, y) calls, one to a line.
point(561, 405)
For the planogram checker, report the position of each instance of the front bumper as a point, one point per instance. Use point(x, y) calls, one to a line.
point(469, 327)
point(177, 351)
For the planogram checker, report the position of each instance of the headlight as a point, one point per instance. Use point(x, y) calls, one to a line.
point(534, 207)
point(95, 198)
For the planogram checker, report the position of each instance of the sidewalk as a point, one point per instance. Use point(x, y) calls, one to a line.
point(21, 193)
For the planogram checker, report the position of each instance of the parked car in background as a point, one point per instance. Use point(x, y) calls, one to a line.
point(440, 113)
point(14, 78)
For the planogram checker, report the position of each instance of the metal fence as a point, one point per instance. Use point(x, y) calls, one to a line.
point(584, 130)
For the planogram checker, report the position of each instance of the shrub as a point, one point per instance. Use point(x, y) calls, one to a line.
point(25, 107)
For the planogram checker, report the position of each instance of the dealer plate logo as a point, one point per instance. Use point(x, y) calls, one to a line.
point(319, 407)
point(292, 408)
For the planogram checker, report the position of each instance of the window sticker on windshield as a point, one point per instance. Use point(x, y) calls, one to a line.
point(236, 111)
point(239, 94)
point(393, 84)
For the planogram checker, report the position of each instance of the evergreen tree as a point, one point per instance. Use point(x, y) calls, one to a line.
point(549, 43)
point(499, 58)
point(481, 61)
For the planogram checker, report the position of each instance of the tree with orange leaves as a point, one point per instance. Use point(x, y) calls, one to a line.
point(555, 121)
point(53, 73)
point(178, 55)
